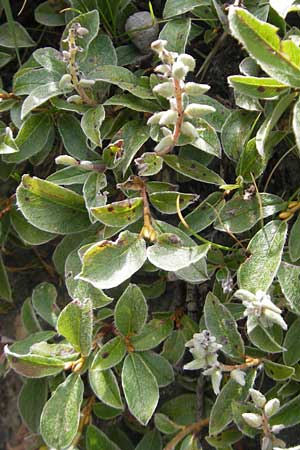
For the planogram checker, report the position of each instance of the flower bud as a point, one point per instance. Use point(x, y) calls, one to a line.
point(66, 81)
point(271, 407)
point(258, 398)
point(75, 99)
point(238, 376)
point(165, 131)
point(165, 143)
point(266, 443)
point(168, 117)
point(82, 31)
point(277, 428)
point(189, 130)
point(163, 68)
point(252, 419)
point(188, 61)
point(216, 379)
point(66, 55)
point(158, 45)
point(179, 70)
point(195, 110)
point(196, 89)
point(153, 120)
point(164, 89)
point(66, 160)
point(86, 83)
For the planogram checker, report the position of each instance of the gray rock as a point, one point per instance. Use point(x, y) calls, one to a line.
point(142, 38)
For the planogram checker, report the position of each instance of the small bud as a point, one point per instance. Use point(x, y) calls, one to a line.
point(66, 81)
point(195, 110)
point(75, 99)
point(163, 68)
point(179, 70)
point(86, 83)
point(252, 419)
point(188, 61)
point(277, 428)
point(285, 215)
point(86, 164)
point(168, 117)
point(154, 120)
point(66, 55)
point(66, 160)
point(271, 407)
point(266, 443)
point(9, 133)
point(189, 130)
point(158, 45)
point(82, 31)
point(165, 131)
point(165, 143)
point(216, 379)
point(258, 398)
point(164, 89)
point(196, 89)
point(238, 376)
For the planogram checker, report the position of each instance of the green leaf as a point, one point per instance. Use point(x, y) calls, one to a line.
point(126, 256)
point(222, 325)
point(13, 35)
point(27, 80)
point(51, 208)
point(204, 214)
point(170, 254)
point(140, 388)
point(291, 342)
point(44, 302)
point(257, 87)
point(176, 32)
point(5, 58)
point(105, 387)
point(149, 164)
point(221, 413)
point(131, 102)
point(238, 408)
point(5, 289)
point(296, 123)
point(134, 135)
point(31, 401)
point(288, 414)
point(101, 52)
point(96, 439)
point(75, 323)
point(73, 137)
point(177, 7)
point(61, 414)
point(265, 340)
point(79, 288)
point(110, 354)
point(31, 138)
point(51, 60)
point(106, 412)
point(29, 318)
point(69, 176)
point(174, 347)
point(151, 441)
point(122, 78)
point(192, 169)
point(91, 123)
point(294, 241)
point(225, 438)
point(236, 132)
point(240, 214)
point(258, 271)
point(159, 366)
point(27, 232)
point(131, 311)
point(166, 425)
point(92, 195)
point(40, 95)
point(176, 409)
point(47, 14)
point(119, 214)
point(165, 202)
point(288, 276)
point(279, 59)
point(278, 372)
point(152, 334)
point(270, 121)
